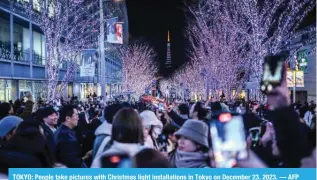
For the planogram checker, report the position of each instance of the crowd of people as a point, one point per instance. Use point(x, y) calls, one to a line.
point(74, 134)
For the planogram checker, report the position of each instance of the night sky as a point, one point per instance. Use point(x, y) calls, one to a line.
point(151, 19)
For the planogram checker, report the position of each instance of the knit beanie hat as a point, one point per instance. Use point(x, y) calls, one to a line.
point(196, 131)
point(9, 123)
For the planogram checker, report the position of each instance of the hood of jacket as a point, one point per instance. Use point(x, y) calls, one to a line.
point(130, 149)
point(104, 128)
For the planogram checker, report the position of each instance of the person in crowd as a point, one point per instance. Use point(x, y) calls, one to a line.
point(29, 139)
point(126, 137)
point(304, 109)
point(28, 108)
point(309, 115)
point(192, 146)
point(89, 131)
point(150, 158)
point(103, 132)
point(68, 149)
point(290, 141)
point(179, 118)
point(198, 112)
point(8, 127)
point(48, 118)
point(6, 109)
point(169, 131)
point(152, 128)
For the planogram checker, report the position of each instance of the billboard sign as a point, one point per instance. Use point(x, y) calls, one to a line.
point(114, 31)
point(299, 78)
point(89, 58)
point(292, 81)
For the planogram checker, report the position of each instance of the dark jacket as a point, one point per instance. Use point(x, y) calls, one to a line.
point(178, 120)
point(291, 136)
point(14, 159)
point(68, 148)
point(49, 136)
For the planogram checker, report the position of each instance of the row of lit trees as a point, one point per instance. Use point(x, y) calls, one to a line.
point(230, 38)
point(69, 27)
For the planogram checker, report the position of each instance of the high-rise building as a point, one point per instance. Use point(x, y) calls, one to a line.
point(168, 61)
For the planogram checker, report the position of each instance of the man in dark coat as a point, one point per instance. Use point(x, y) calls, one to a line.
point(48, 118)
point(68, 149)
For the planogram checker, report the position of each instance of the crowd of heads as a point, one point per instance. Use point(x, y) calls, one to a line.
point(121, 134)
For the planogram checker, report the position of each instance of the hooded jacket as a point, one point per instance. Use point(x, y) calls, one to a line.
point(149, 119)
point(118, 148)
point(103, 136)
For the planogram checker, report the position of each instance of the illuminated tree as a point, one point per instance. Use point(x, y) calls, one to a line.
point(230, 38)
point(138, 67)
point(69, 27)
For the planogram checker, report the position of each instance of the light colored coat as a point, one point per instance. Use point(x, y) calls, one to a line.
point(118, 148)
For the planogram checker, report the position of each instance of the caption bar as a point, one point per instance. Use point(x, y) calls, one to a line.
point(162, 174)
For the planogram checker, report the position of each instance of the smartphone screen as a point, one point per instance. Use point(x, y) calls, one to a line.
point(228, 139)
point(273, 72)
point(255, 135)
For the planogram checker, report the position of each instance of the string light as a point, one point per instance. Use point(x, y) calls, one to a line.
point(69, 27)
point(231, 38)
point(138, 67)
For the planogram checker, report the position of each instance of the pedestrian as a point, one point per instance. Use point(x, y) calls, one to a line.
point(48, 118)
point(68, 149)
point(152, 128)
point(8, 127)
point(127, 135)
point(192, 146)
point(150, 158)
point(6, 109)
point(103, 132)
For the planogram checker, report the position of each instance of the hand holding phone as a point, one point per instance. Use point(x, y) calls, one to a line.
point(274, 81)
point(273, 72)
point(255, 136)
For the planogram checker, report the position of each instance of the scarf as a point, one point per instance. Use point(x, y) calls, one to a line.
point(181, 159)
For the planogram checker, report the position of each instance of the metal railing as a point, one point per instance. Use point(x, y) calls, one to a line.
point(5, 50)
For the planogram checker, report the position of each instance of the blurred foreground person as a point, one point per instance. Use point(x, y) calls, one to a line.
point(150, 158)
point(127, 135)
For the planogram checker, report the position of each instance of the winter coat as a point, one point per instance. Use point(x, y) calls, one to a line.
point(14, 159)
point(177, 120)
point(291, 136)
point(49, 136)
point(103, 136)
point(68, 148)
point(118, 148)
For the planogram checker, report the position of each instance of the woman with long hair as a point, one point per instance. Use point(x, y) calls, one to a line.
point(126, 138)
